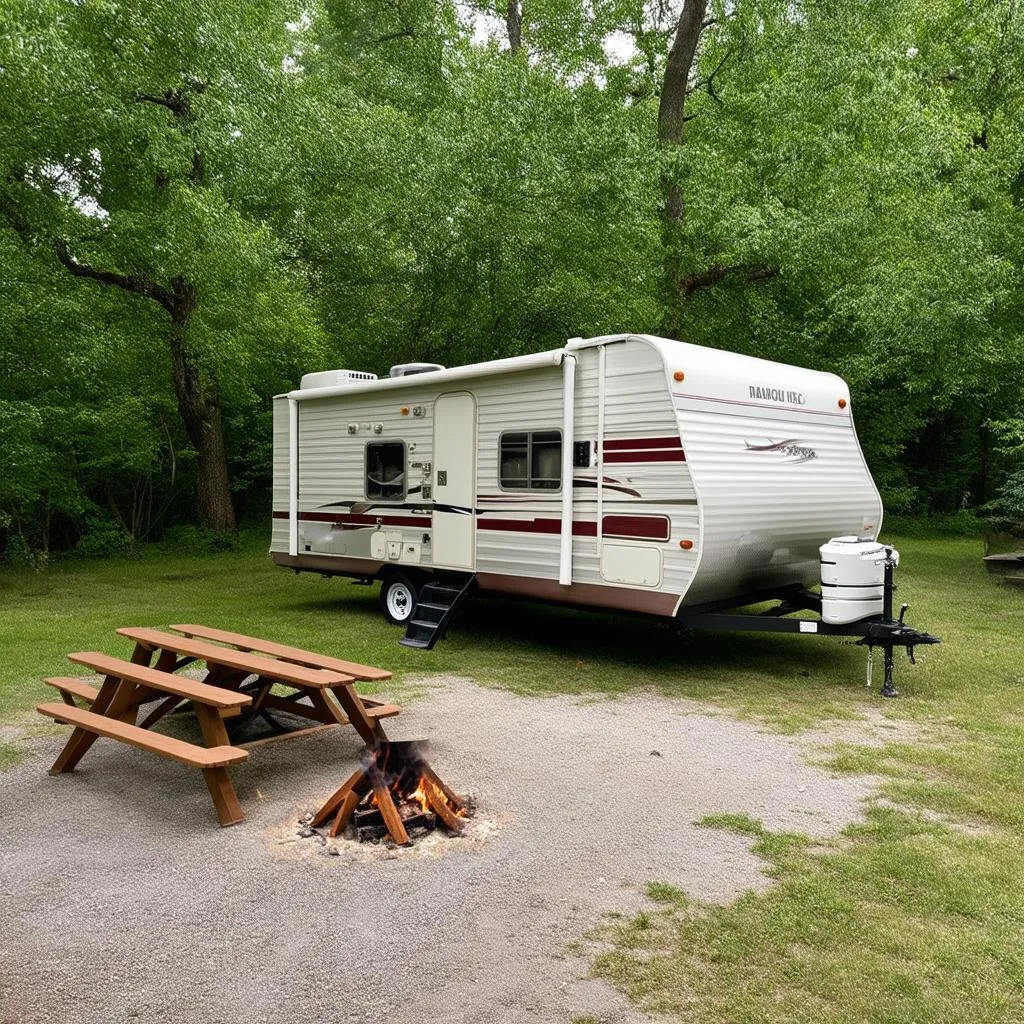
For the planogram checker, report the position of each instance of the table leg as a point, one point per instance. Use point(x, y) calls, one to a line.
point(142, 654)
point(214, 732)
point(165, 707)
point(218, 782)
point(80, 739)
point(229, 811)
point(370, 730)
point(166, 662)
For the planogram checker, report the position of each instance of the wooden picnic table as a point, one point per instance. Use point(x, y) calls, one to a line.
point(237, 682)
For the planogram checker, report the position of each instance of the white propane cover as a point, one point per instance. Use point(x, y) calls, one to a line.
point(852, 579)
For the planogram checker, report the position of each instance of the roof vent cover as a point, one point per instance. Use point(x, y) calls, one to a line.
point(335, 378)
point(408, 369)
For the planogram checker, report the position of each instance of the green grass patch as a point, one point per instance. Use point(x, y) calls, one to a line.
point(662, 892)
point(741, 824)
point(776, 847)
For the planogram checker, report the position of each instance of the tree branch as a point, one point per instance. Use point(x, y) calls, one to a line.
point(173, 99)
point(706, 278)
point(126, 282)
point(709, 82)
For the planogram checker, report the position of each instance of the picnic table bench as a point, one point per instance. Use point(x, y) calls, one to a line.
point(237, 682)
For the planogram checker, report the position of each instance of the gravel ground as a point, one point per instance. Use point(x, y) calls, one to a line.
point(122, 900)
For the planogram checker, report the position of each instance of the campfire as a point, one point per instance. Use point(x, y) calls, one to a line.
point(394, 793)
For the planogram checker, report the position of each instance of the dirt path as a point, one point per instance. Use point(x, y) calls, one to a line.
point(122, 901)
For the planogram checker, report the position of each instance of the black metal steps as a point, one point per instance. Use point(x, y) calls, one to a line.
point(436, 608)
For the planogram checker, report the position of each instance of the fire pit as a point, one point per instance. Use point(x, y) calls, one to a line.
point(393, 792)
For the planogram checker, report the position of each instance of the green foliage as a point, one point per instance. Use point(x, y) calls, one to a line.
point(1006, 511)
point(361, 184)
point(191, 539)
point(143, 157)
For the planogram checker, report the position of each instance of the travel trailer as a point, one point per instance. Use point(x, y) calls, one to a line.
point(621, 472)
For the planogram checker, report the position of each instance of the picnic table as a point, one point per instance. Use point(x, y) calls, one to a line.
point(245, 676)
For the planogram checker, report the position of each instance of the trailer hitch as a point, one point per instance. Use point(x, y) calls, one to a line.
point(890, 633)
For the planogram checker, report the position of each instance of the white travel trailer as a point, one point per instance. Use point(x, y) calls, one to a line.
point(622, 472)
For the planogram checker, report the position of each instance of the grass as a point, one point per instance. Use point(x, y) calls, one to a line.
point(915, 914)
point(534, 649)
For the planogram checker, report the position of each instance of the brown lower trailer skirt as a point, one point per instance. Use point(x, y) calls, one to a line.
point(589, 595)
point(586, 595)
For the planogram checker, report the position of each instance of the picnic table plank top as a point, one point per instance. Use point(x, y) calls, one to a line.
point(283, 651)
point(270, 668)
point(182, 686)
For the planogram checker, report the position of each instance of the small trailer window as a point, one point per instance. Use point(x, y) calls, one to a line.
point(385, 469)
point(531, 460)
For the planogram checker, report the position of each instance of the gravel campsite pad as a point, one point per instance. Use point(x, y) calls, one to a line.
point(123, 900)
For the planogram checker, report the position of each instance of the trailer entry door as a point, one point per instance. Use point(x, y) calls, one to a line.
point(454, 518)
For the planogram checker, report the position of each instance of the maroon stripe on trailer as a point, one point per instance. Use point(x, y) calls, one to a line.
point(634, 443)
point(653, 456)
point(353, 519)
point(622, 527)
point(579, 528)
point(637, 527)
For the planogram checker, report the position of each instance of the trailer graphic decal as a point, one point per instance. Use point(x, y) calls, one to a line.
point(626, 527)
point(792, 448)
point(644, 449)
point(760, 405)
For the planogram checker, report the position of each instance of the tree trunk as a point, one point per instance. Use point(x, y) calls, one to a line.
point(514, 25)
point(671, 122)
point(672, 107)
point(201, 416)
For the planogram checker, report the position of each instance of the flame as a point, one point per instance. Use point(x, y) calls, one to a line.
point(419, 795)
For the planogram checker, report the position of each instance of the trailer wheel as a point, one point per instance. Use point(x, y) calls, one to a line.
point(397, 598)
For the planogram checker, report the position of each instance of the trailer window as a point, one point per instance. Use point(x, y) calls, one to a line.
point(531, 460)
point(385, 469)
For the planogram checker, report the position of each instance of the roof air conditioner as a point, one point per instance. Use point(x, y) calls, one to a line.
point(408, 369)
point(335, 378)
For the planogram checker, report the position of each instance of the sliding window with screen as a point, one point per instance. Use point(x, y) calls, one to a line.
point(531, 460)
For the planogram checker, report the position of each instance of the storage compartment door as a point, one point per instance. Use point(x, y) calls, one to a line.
point(454, 478)
point(637, 565)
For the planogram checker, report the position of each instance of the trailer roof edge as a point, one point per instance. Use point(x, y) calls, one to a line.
point(515, 364)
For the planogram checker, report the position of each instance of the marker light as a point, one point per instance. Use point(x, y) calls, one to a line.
point(686, 544)
point(679, 375)
point(842, 403)
point(404, 410)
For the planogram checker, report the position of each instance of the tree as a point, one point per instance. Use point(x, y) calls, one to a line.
point(139, 145)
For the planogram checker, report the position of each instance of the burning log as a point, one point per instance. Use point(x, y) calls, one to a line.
point(394, 792)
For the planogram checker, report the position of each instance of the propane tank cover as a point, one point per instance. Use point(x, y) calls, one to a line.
point(853, 579)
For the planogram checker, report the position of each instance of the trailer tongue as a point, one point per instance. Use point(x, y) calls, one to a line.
point(855, 571)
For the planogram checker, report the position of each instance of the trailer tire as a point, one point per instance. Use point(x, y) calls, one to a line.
point(398, 596)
